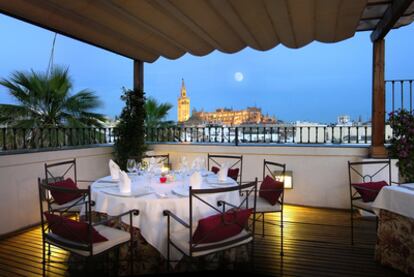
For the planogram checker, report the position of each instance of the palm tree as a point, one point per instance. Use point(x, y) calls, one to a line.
point(46, 101)
point(156, 113)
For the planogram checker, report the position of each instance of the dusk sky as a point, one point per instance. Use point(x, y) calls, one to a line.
point(317, 82)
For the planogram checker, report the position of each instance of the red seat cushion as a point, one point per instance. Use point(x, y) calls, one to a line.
point(271, 190)
point(71, 229)
point(63, 197)
point(221, 226)
point(369, 190)
point(232, 172)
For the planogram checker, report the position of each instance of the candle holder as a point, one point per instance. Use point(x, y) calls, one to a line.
point(163, 178)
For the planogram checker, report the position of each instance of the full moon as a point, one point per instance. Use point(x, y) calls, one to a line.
point(238, 76)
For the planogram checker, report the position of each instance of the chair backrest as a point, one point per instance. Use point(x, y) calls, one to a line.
point(278, 172)
point(368, 171)
point(235, 162)
point(61, 170)
point(58, 172)
point(162, 158)
point(46, 228)
point(199, 198)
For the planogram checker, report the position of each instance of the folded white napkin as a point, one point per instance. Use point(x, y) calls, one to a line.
point(196, 180)
point(222, 174)
point(114, 169)
point(196, 164)
point(124, 182)
point(184, 164)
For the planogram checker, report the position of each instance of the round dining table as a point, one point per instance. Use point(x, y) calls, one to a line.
point(151, 198)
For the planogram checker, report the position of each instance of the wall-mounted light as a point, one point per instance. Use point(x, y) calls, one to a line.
point(288, 178)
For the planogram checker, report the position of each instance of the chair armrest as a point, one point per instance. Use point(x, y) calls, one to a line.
point(179, 220)
point(397, 183)
point(131, 212)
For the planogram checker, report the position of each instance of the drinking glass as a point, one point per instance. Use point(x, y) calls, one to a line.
point(131, 163)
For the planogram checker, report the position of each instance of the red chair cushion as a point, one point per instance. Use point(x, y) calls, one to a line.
point(215, 169)
point(221, 226)
point(64, 197)
point(271, 190)
point(71, 229)
point(232, 172)
point(369, 190)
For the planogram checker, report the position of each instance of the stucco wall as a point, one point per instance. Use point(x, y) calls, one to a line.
point(19, 201)
point(320, 174)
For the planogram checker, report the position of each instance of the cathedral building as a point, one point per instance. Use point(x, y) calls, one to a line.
point(230, 117)
point(183, 104)
point(222, 116)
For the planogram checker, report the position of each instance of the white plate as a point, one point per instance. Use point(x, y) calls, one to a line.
point(216, 181)
point(135, 193)
point(181, 191)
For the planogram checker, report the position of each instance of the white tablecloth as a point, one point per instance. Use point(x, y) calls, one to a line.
point(151, 222)
point(396, 199)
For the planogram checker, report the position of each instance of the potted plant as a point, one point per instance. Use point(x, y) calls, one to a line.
point(402, 143)
point(130, 130)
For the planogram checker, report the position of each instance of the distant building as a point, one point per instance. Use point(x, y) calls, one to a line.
point(344, 120)
point(183, 104)
point(230, 117)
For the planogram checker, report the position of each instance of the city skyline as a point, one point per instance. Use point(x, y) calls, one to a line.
point(315, 83)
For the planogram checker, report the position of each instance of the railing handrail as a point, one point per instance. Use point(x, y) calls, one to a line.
point(63, 137)
point(53, 137)
point(403, 87)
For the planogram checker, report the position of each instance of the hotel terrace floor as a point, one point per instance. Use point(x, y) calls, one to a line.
point(317, 243)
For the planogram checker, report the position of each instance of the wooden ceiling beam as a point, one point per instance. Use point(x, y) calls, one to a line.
point(391, 16)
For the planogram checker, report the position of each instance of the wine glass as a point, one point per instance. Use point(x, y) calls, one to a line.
point(139, 168)
point(131, 164)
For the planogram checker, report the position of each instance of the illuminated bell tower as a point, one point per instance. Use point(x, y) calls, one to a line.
point(183, 104)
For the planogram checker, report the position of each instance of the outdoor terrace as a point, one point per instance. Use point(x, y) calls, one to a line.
point(317, 240)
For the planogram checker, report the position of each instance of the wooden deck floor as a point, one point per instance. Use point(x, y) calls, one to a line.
point(316, 243)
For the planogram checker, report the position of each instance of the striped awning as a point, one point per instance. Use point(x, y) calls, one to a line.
point(147, 29)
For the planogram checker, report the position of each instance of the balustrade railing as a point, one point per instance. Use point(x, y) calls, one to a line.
point(50, 138)
point(58, 138)
point(264, 135)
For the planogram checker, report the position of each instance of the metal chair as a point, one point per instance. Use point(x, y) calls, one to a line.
point(361, 172)
point(87, 249)
point(219, 159)
point(263, 206)
point(58, 172)
point(183, 240)
point(162, 158)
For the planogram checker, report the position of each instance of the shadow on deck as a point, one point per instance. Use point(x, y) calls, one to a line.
point(316, 243)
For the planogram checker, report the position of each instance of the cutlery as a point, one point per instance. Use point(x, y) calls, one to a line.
point(177, 194)
point(107, 181)
point(106, 186)
point(407, 187)
point(161, 195)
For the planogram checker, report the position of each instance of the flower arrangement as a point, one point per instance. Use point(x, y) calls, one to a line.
point(402, 143)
